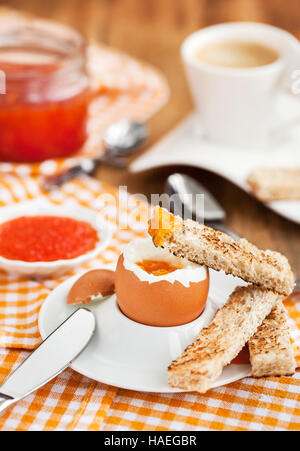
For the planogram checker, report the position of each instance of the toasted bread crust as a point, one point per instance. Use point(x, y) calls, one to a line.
point(234, 324)
point(270, 184)
point(205, 246)
point(271, 352)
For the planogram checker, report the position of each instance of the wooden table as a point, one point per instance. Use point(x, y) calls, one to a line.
point(153, 30)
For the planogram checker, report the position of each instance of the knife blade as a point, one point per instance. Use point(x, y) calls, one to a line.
point(52, 357)
point(183, 186)
point(187, 188)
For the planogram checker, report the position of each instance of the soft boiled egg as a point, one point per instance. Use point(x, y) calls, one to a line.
point(155, 288)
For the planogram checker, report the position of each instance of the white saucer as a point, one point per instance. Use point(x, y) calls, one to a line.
point(129, 355)
point(186, 146)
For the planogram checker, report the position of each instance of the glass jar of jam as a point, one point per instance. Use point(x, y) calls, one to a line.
point(43, 113)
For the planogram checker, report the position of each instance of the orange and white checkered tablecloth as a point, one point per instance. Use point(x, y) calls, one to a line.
point(74, 402)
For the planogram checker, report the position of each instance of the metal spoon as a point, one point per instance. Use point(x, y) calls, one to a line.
point(121, 139)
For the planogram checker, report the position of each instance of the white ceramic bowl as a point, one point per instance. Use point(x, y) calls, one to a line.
point(45, 208)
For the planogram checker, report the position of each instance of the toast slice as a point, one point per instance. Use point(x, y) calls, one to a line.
point(271, 352)
point(205, 246)
point(234, 324)
point(270, 184)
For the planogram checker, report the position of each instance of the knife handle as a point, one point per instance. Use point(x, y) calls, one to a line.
point(6, 401)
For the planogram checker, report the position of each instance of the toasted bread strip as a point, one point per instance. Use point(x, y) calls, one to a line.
point(270, 184)
point(234, 324)
point(206, 246)
point(271, 352)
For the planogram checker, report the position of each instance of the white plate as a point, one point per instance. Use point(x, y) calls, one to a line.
point(130, 355)
point(186, 146)
point(42, 207)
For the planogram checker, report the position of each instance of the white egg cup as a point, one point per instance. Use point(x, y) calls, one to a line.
point(130, 355)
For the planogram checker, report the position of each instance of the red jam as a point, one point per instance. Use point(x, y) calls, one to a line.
point(44, 103)
point(46, 238)
point(39, 121)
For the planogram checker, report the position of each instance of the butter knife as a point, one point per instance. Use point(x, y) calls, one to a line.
point(52, 357)
point(186, 187)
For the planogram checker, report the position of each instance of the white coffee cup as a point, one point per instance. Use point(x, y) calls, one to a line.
point(237, 105)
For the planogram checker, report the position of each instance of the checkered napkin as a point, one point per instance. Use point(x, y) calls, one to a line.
point(74, 402)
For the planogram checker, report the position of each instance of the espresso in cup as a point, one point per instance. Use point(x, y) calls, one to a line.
point(235, 54)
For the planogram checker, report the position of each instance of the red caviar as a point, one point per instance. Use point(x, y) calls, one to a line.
point(46, 238)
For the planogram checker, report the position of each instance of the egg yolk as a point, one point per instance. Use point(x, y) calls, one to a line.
point(162, 225)
point(157, 268)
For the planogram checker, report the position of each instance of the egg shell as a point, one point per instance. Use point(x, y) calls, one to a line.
point(161, 304)
point(98, 282)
